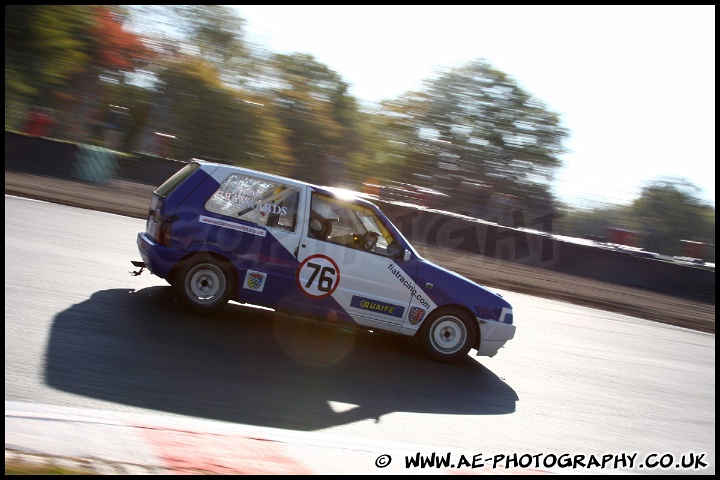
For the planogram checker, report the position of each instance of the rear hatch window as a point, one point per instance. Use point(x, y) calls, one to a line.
point(158, 226)
point(171, 183)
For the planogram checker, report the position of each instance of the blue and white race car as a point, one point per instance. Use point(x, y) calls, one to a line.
point(218, 233)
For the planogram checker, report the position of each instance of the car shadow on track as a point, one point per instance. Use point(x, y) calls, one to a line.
point(253, 366)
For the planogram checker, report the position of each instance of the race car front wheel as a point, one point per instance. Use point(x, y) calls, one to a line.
point(447, 335)
point(203, 283)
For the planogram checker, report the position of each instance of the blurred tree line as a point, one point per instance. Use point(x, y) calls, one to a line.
point(189, 84)
point(668, 218)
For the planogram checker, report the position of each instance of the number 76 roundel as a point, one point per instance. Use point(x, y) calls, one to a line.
point(318, 276)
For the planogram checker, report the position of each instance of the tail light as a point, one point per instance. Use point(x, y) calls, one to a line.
point(165, 232)
point(159, 228)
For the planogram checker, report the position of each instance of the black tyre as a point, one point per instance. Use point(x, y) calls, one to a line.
point(448, 334)
point(203, 283)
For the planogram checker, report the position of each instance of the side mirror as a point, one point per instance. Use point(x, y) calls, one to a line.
point(397, 252)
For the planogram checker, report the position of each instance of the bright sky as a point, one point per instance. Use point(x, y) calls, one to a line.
point(635, 85)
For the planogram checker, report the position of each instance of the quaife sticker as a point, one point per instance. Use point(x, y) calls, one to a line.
point(377, 306)
point(255, 280)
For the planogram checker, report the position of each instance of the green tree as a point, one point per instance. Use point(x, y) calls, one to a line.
point(44, 48)
point(215, 29)
point(214, 33)
point(475, 122)
point(208, 89)
point(201, 117)
point(59, 55)
point(317, 113)
point(669, 211)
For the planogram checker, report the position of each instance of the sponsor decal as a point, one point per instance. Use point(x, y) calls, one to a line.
point(233, 226)
point(409, 284)
point(255, 280)
point(264, 208)
point(377, 306)
point(248, 193)
point(416, 315)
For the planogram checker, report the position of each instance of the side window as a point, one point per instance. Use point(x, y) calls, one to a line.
point(349, 224)
point(255, 200)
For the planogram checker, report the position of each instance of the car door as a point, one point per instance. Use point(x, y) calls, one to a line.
point(340, 281)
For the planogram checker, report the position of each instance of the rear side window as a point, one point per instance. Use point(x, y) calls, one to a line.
point(263, 202)
point(179, 177)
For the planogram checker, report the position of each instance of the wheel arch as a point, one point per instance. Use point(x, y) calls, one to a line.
point(468, 312)
point(219, 257)
point(439, 309)
point(476, 325)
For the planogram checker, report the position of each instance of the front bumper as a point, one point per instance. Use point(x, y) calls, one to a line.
point(493, 336)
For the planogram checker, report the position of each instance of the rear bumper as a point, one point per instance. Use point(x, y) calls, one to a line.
point(157, 258)
point(493, 336)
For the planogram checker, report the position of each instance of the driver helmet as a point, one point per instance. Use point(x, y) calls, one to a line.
point(371, 239)
point(321, 213)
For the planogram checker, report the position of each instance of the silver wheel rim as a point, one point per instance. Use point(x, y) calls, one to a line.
point(205, 283)
point(448, 335)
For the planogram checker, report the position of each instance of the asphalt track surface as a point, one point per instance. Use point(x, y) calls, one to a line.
point(132, 200)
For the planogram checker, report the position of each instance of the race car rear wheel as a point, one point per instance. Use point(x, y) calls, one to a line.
point(448, 334)
point(203, 283)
